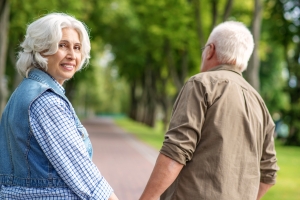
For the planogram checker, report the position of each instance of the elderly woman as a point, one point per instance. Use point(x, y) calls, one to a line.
point(45, 150)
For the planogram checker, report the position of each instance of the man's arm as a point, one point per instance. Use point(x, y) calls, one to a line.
point(263, 188)
point(164, 173)
point(268, 162)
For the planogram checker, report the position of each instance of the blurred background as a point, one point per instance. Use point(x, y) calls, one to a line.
point(144, 50)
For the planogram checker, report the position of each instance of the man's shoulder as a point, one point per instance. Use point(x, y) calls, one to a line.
point(213, 77)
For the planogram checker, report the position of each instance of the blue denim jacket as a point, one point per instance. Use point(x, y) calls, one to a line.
point(22, 161)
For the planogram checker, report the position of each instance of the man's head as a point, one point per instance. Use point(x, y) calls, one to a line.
point(229, 43)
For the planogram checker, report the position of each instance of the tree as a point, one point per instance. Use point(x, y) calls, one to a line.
point(156, 47)
point(252, 73)
point(4, 23)
point(285, 29)
point(151, 48)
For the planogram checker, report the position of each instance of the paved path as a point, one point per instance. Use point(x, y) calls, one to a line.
point(125, 162)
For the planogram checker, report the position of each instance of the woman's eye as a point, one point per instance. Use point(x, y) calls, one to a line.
point(77, 47)
point(62, 45)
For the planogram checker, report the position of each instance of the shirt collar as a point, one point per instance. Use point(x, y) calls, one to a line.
point(232, 68)
point(57, 84)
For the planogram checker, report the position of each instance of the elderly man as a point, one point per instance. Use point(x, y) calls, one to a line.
point(220, 141)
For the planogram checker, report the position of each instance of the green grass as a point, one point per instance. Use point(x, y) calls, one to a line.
point(288, 177)
point(152, 136)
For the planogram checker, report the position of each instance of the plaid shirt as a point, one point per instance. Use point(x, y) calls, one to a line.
point(55, 130)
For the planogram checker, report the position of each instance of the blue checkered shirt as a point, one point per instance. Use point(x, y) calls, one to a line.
point(55, 130)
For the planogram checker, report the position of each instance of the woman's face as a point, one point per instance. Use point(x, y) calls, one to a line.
point(63, 64)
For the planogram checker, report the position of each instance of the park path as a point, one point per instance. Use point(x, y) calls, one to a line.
point(125, 162)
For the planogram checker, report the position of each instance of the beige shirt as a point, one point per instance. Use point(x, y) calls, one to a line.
point(223, 133)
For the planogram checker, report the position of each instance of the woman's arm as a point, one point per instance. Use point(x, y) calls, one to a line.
point(55, 130)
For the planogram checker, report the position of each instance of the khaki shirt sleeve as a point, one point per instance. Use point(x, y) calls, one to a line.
point(268, 162)
point(186, 122)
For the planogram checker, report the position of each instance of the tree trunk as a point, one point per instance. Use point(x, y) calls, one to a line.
point(133, 101)
point(178, 76)
point(198, 23)
point(4, 23)
point(227, 10)
point(150, 111)
point(166, 105)
point(184, 65)
point(17, 77)
point(214, 7)
point(252, 72)
point(150, 92)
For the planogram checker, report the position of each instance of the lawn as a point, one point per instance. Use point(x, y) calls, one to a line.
point(288, 177)
point(151, 136)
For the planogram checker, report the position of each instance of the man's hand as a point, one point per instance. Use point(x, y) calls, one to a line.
point(164, 173)
point(113, 197)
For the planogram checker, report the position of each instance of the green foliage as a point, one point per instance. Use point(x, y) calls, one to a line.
point(243, 12)
point(145, 39)
point(282, 20)
point(26, 12)
point(274, 79)
point(156, 47)
point(101, 92)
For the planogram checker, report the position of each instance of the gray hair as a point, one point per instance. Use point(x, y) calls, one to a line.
point(233, 42)
point(43, 36)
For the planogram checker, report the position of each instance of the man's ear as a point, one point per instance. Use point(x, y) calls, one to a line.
point(210, 51)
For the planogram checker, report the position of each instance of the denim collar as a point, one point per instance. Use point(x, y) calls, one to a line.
point(46, 79)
